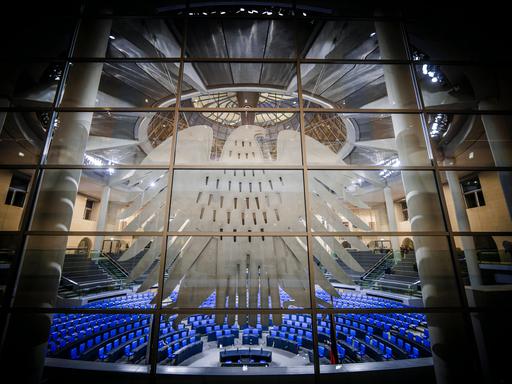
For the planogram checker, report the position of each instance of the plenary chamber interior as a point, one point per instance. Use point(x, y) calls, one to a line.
point(230, 191)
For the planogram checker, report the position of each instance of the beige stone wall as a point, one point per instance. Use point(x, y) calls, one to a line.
point(493, 216)
point(10, 216)
point(79, 224)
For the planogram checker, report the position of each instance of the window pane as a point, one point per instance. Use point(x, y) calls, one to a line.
point(352, 201)
point(355, 86)
point(239, 85)
point(12, 197)
point(464, 87)
point(100, 338)
point(361, 139)
point(126, 200)
point(470, 140)
point(236, 272)
point(154, 37)
point(383, 339)
point(241, 38)
point(121, 84)
point(8, 248)
point(485, 261)
point(485, 209)
point(237, 201)
point(96, 272)
point(375, 272)
point(31, 84)
point(250, 342)
point(234, 138)
point(22, 136)
point(341, 39)
point(113, 138)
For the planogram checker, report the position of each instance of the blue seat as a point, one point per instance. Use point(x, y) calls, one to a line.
point(74, 354)
point(341, 352)
point(101, 354)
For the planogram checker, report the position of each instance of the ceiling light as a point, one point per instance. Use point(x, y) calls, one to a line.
point(112, 37)
point(372, 34)
point(21, 154)
point(146, 100)
point(304, 14)
point(435, 79)
point(424, 69)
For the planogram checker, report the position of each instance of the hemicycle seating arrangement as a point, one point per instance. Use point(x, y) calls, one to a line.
point(124, 338)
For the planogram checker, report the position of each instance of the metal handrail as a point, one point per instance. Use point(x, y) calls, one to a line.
point(381, 261)
point(114, 262)
point(72, 282)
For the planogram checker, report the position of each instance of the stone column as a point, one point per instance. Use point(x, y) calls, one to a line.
point(102, 217)
point(26, 339)
point(461, 215)
point(390, 210)
point(432, 254)
point(498, 129)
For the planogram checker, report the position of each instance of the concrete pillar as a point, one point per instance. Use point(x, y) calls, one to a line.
point(26, 339)
point(498, 129)
point(390, 210)
point(102, 217)
point(461, 215)
point(432, 254)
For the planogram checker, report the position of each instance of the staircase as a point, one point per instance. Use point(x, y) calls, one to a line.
point(403, 277)
point(374, 273)
point(366, 259)
point(81, 276)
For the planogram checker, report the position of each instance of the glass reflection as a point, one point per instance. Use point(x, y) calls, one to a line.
point(237, 200)
point(103, 199)
point(237, 272)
